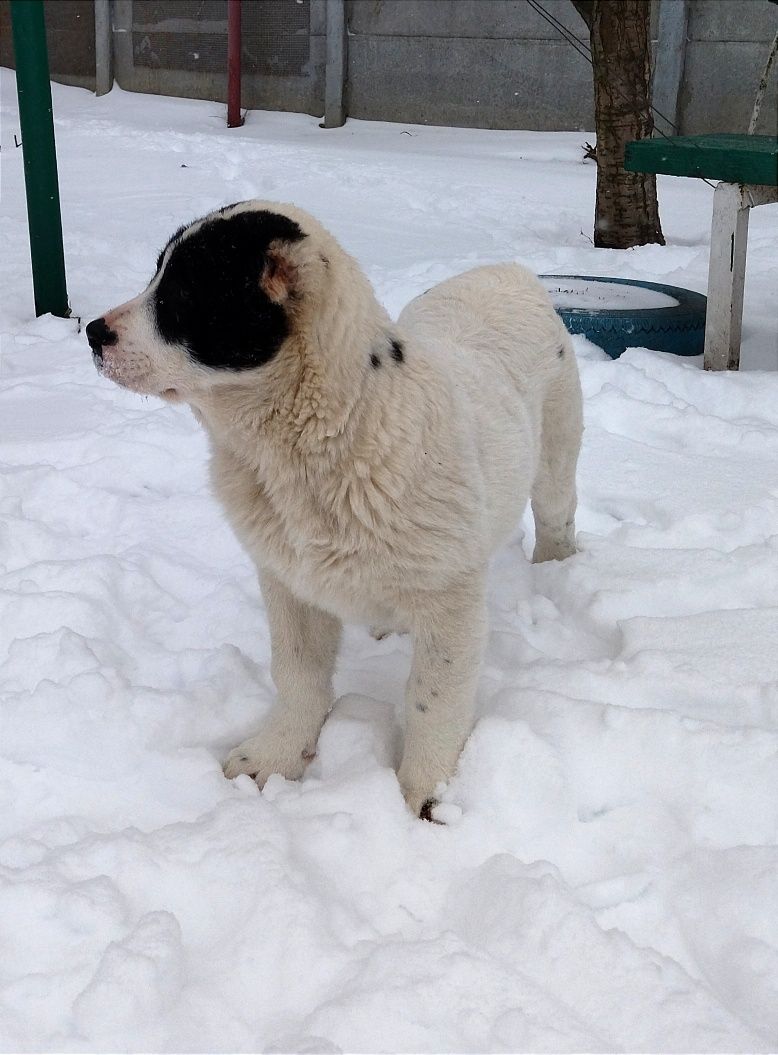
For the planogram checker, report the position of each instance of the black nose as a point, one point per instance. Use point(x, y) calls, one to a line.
point(98, 335)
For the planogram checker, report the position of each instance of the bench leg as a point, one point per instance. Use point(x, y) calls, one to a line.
point(726, 277)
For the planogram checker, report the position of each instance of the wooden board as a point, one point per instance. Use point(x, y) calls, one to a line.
point(732, 158)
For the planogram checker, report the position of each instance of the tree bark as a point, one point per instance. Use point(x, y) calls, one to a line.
point(585, 9)
point(626, 211)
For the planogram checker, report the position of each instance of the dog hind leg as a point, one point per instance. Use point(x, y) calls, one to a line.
point(449, 637)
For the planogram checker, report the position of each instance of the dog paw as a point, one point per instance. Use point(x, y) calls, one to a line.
point(261, 756)
point(545, 551)
point(421, 804)
point(426, 812)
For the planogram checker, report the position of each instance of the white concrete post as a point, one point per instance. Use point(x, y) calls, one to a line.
point(337, 62)
point(727, 270)
point(726, 278)
point(103, 47)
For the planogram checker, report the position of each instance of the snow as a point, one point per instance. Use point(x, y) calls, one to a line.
point(606, 878)
point(591, 294)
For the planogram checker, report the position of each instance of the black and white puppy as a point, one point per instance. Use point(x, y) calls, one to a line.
point(370, 468)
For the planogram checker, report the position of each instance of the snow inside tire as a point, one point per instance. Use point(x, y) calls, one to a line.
point(672, 320)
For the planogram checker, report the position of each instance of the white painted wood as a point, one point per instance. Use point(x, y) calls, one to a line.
point(727, 270)
point(760, 194)
point(726, 278)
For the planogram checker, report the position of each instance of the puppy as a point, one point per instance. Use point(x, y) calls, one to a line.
point(369, 468)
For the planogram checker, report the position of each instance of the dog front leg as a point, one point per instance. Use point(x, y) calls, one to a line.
point(304, 642)
point(449, 637)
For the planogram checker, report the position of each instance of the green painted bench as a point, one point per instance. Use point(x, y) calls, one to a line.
point(747, 167)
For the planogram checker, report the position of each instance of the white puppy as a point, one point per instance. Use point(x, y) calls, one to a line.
point(370, 468)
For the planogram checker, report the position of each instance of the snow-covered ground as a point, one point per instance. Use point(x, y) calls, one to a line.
point(608, 877)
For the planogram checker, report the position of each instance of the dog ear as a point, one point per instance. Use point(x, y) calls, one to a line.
point(279, 275)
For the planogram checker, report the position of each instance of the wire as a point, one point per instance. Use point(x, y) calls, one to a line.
point(577, 44)
point(580, 46)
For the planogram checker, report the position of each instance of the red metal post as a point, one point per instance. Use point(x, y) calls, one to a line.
point(234, 119)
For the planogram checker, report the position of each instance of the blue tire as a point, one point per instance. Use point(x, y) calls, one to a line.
point(679, 328)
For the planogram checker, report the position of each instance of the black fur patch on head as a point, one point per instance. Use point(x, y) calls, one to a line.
point(375, 360)
point(173, 237)
point(396, 352)
point(209, 297)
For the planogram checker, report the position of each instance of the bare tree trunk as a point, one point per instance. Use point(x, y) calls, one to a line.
point(626, 212)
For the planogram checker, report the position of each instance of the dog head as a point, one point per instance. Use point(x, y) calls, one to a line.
point(222, 302)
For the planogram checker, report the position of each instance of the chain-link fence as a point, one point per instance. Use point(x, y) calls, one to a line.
point(179, 47)
point(70, 35)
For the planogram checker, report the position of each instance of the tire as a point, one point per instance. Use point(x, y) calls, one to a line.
point(679, 329)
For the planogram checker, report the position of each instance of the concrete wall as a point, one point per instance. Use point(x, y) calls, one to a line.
point(499, 64)
point(485, 63)
point(727, 47)
point(481, 63)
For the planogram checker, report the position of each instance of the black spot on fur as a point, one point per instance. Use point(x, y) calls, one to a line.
point(209, 297)
point(396, 352)
point(422, 708)
point(375, 360)
point(561, 352)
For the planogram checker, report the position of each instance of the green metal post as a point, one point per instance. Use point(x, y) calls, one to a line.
point(40, 158)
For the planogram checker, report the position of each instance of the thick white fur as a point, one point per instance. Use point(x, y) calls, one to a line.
point(376, 495)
